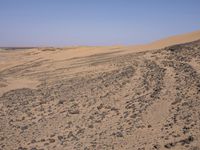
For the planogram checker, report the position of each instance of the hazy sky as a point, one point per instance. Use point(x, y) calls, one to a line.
point(94, 22)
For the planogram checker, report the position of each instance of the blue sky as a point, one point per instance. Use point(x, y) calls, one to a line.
point(94, 22)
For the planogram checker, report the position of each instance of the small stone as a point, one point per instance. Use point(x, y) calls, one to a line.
point(149, 126)
point(90, 126)
point(52, 140)
point(169, 145)
point(187, 141)
point(33, 141)
point(118, 134)
point(24, 127)
point(22, 148)
point(156, 146)
point(60, 138)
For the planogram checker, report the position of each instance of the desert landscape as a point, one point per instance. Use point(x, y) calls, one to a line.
point(144, 97)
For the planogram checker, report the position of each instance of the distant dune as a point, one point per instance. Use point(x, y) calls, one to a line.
point(178, 39)
point(143, 97)
point(173, 40)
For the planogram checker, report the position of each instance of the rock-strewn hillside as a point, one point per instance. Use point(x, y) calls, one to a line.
point(139, 101)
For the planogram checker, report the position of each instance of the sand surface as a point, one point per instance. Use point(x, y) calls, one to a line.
point(143, 97)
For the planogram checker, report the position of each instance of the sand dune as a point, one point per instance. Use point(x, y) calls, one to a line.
point(94, 98)
point(178, 39)
point(173, 40)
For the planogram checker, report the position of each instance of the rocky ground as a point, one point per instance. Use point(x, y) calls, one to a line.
point(138, 101)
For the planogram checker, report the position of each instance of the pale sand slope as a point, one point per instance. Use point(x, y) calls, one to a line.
point(178, 39)
point(102, 97)
point(72, 56)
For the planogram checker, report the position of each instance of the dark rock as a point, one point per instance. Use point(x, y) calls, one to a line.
point(52, 140)
point(24, 127)
point(60, 138)
point(22, 148)
point(169, 145)
point(33, 141)
point(187, 140)
point(118, 134)
point(149, 126)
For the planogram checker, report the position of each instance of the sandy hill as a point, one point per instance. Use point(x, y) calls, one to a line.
point(173, 40)
point(96, 98)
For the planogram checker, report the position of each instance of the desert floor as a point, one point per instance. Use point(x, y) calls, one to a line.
point(101, 98)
